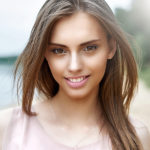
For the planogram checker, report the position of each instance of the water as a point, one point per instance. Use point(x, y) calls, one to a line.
point(7, 94)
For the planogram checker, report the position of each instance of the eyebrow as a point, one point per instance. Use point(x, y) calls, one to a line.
point(82, 44)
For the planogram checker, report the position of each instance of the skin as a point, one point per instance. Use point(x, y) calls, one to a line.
point(85, 52)
point(75, 59)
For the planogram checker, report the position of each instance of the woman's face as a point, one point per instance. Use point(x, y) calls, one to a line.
point(77, 54)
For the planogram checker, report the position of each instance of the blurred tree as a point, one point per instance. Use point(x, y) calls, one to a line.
point(136, 22)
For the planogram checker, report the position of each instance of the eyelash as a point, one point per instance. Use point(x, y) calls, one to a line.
point(60, 51)
point(55, 51)
point(90, 48)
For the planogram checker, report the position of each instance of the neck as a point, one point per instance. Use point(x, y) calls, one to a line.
point(76, 112)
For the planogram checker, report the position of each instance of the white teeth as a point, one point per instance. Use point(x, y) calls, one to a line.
point(76, 80)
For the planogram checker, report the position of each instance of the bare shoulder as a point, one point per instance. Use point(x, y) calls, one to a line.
point(142, 132)
point(5, 116)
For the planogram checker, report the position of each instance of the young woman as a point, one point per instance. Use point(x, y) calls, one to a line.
point(81, 64)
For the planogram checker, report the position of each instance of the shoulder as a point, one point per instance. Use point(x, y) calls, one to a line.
point(5, 116)
point(142, 132)
point(5, 119)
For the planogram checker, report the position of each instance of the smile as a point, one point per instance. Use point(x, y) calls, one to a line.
point(77, 82)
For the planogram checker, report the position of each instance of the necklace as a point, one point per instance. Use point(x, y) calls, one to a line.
point(88, 133)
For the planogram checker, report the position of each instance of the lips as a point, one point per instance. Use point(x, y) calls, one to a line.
point(77, 82)
point(77, 79)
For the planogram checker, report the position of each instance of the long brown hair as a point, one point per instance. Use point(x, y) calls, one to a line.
point(117, 86)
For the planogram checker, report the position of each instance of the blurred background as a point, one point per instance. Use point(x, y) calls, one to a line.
point(17, 18)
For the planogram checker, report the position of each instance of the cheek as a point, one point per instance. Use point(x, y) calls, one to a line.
point(98, 63)
point(98, 67)
point(56, 67)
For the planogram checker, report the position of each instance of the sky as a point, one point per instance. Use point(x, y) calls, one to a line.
point(17, 18)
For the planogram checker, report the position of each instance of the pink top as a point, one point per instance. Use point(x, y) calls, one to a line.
point(26, 133)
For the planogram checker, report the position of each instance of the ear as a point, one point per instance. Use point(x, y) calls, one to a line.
point(112, 48)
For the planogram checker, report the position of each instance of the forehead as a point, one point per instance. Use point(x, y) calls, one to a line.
point(81, 26)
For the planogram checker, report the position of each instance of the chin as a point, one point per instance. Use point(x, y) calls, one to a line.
point(78, 95)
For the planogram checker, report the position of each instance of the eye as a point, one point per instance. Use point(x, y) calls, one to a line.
point(58, 51)
point(90, 48)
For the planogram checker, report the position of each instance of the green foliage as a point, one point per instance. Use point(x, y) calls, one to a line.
point(136, 22)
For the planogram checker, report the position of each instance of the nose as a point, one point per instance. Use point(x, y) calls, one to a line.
point(75, 64)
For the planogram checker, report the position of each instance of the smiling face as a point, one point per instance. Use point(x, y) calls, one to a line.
point(77, 54)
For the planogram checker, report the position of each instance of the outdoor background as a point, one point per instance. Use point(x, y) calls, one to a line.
point(17, 18)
